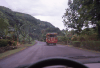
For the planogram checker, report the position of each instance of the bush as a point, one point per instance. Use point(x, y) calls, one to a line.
point(24, 42)
point(74, 38)
point(64, 38)
point(81, 38)
point(92, 37)
point(59, 38)
point(9, 42)
point(94, 45)
point(76, 43)
point(14, 43)
point(3, 42)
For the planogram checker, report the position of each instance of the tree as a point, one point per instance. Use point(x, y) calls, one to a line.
point(88, 31)
point(82, 13)
point(92, 13)
point(30, 26)
point(4, 26)
point(71, 18)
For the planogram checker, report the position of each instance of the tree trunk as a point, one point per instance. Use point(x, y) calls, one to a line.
point(17, 40)
point(98, 31)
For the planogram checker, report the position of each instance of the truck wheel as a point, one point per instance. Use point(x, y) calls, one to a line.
point(47, 43)
point(54, 43)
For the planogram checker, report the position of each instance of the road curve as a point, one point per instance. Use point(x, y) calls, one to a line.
point(41, 50)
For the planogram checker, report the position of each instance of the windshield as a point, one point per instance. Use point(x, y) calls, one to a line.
point(27, 25)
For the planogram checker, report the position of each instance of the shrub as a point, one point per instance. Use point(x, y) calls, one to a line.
point(24, 42)
point(60, 38)
point(76, 43)
point(3, 42)
point(94, 45)
point(14, 43)
point(10, 42)
point(81, 38)
point(63, 38)
point(92, 37)
point(74, 38)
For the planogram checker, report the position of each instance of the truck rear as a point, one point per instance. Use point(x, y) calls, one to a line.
point(51, 38)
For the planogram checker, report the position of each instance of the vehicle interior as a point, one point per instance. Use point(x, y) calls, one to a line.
point(55, 61)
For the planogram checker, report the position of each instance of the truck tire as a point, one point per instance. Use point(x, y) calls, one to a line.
point(47, 43)
point(54, 43)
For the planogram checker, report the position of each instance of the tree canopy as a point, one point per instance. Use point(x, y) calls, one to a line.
point(82, 13)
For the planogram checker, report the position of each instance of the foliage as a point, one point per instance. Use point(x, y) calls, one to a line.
point(88, 31)
point(3, 42)
point(63, 38)
point(3, 27)
point(59, 38)
point(74, 38)
point(71, 17)
point(94, 45)
point(14, 43)
point(81, 38)
point(83, 13)
point(76, 43)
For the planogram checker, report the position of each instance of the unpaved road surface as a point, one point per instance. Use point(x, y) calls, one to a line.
point(41, 50)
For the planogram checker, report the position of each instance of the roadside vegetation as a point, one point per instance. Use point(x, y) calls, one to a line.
point(88, 39)
point(83, 20)
point(18, 28)
point(15, 50)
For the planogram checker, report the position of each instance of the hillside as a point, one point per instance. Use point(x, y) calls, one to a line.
point(26, 24)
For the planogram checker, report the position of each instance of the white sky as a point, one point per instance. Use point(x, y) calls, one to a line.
point(45, 10)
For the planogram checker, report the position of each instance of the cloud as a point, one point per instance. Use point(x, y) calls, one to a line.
point(4, 3)
point(55, 20)
point(41, 7)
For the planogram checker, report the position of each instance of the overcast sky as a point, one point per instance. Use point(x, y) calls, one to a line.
point(45, 10)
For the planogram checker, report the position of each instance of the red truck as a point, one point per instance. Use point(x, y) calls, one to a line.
point(51, 38)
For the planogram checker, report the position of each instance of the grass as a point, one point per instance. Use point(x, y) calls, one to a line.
point(8, 53)
point(5, 54)
point(26, 45)
point(84, 49)
point(79, 47)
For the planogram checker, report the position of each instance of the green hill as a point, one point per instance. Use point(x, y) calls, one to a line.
point(24, 24)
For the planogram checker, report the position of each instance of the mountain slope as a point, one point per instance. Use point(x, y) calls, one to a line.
point(20, 17)
point(26, 22)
